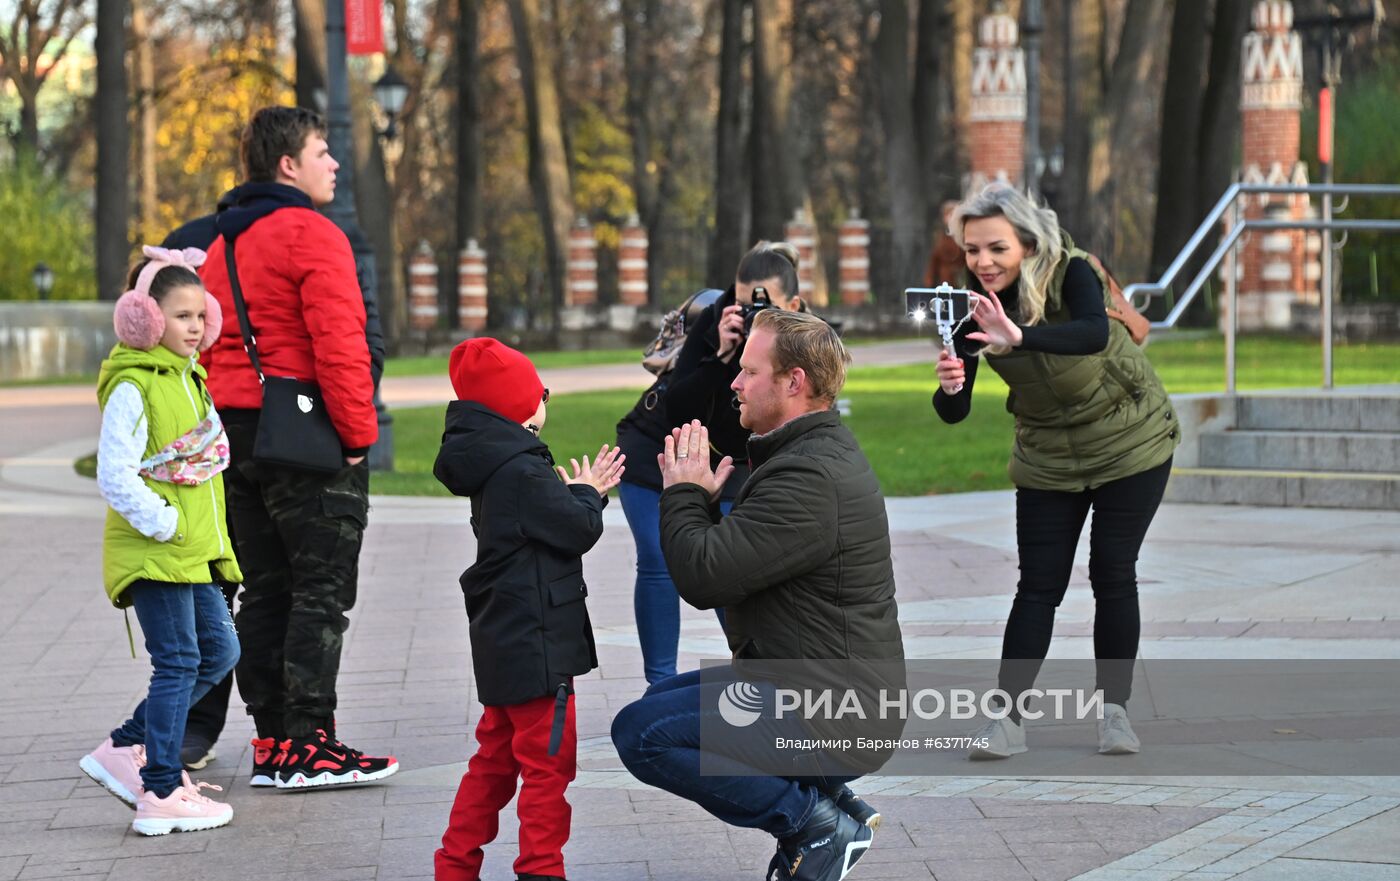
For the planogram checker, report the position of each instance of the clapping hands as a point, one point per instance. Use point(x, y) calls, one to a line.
point(603, 473)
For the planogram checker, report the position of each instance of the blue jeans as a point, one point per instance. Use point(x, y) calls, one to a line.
point(654, 598)
point(658, 739)
point(192, 644)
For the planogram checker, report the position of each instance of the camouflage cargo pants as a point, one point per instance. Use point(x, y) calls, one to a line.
point(298, 538)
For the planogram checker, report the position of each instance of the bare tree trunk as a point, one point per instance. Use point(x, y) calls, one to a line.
point(468, 124)
point(311, 54)
point(639, 29)
point(147, 197)
point(773, 191)
point(727, 245)
point(1125, 109)
point(937, 139)
point(960, 83)
point(549, 168)
point(1219, 146)
point(908, 210)
point(113, 146)
point(1084, 83)
point(1177, 208)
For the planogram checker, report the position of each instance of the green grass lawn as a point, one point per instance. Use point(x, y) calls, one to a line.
point(429, 365)
point(913, 452)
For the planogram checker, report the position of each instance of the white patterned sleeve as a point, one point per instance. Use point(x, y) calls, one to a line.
point(119, 466)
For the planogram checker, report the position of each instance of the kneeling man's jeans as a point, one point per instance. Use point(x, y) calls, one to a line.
point(658, 738)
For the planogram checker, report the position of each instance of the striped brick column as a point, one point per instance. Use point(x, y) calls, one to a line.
point(1274, 266)
point(583, 266)
point(632, 263)
point(996, 130)
point(422, 289)
point(802, 234)
point(854, 263)
point(471, 288)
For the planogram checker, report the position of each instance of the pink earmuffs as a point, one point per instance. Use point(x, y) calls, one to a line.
point(137, 318)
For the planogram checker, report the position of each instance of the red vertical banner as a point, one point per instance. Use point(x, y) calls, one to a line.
point(1324, 126)
point(364, 27)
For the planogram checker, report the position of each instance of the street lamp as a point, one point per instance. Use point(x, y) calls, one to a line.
point(341, 210)
point(390, 93)
point(42, 276)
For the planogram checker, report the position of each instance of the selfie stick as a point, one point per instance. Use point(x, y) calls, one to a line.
point(942, 305)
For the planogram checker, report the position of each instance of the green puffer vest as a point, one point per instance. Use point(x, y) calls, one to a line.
point(201, 551)
point(1085, 420)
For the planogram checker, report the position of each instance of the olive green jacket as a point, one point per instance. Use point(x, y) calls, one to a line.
point(202, 550)
point(1085, 420)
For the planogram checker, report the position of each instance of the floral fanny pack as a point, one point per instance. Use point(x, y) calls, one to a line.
point(192, 458)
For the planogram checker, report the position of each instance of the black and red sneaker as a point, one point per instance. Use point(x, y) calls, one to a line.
point(268, 756)
point(323, 761)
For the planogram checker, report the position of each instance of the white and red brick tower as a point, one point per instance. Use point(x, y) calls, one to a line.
point(854, 262)
point(471, 288)
point(583, 266)
point(632, 263)
point(801, 233)
point(997, 126)
point(1274, 272)
point(422, 289)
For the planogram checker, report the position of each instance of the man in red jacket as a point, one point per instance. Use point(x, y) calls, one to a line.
point(298, 533)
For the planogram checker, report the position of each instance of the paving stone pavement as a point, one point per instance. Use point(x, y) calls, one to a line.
point(1217, 582)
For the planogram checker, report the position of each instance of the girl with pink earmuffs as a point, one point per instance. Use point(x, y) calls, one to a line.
point(165, 543)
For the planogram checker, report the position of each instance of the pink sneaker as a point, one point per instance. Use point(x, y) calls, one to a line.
point(184, 810)
point(117, 769)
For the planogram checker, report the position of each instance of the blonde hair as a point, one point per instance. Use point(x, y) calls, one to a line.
point(801, 339)
point(1037, 228)
point(771, 260)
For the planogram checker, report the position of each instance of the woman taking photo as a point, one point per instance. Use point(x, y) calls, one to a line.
point(697, 388)
point(1094, 431)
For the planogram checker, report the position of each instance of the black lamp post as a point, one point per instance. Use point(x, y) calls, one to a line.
point(1032, 26)
point(341, 210)
point(390, 93)
point(42, 276)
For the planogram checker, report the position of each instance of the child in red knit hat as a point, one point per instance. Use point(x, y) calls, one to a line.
point(528, 622)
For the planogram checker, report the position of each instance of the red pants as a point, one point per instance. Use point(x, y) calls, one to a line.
point(513, 741)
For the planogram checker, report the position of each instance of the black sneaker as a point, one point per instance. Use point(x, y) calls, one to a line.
point(826, 849)
point(268, 756)
point(196, 751)
point(857, 807)
point(322, 761)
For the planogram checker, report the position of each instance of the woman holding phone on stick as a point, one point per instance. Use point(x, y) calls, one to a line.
point(1095, 431)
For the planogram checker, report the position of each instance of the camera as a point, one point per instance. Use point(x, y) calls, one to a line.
point(747, 311)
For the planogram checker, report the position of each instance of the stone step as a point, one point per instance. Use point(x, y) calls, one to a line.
point(1282, 488)
point(1352, 451)
point(1318, 412)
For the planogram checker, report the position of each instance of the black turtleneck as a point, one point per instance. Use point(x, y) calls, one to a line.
point(1085, 333)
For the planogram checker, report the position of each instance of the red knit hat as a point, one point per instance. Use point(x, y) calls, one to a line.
point(492, 374)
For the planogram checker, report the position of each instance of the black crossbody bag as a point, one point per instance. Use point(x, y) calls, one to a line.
point(294, 429)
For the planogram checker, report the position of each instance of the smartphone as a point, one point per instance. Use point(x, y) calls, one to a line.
point(943, 304)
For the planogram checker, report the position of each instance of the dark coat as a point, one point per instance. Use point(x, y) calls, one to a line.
point(525, 593)
point(801, 564)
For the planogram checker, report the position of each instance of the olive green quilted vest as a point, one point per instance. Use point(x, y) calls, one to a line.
point(1085, 420)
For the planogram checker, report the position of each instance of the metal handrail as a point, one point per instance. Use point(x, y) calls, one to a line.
point(1229, 201)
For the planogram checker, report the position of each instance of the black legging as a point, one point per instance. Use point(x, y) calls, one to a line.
point(1048, 524)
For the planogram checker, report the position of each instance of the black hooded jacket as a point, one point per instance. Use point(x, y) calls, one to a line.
point(525, 593)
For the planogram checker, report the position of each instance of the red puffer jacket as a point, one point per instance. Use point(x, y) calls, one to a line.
point(297, 274)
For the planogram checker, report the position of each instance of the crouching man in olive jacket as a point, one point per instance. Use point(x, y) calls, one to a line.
point(802, 569)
